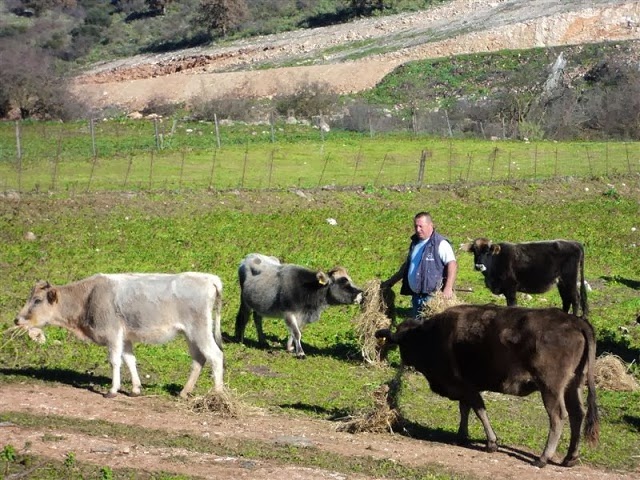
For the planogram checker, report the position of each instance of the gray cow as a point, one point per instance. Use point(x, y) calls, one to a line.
point(297, 294)
point(119, 309)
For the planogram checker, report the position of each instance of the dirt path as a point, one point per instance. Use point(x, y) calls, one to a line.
point(261, 67)
point(173, 416)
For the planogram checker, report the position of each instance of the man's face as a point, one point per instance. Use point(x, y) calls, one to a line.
point(423, 228)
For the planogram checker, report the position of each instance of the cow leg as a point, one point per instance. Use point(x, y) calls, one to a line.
point(257, 320)
point(130, 362)
point(201, 351)
point(242, 318)
point(569, 297)
point(511, 296)
point(480, 410)
point(293, 343)
point(463, 427)
point(115, 359)
point(554, 404)
point(573, 401)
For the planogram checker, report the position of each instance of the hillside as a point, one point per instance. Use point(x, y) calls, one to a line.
point(353, 57)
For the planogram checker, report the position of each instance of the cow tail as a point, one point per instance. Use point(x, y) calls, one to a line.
point(584, 304)
point(217, 312)
point(592, 424)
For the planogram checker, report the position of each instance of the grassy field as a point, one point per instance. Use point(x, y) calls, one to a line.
point(79, 235)
point(177, 155)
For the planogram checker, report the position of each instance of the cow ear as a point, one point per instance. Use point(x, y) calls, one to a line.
point(466, 247)
point(494, 249)
point(323, 278)
point(52, 296)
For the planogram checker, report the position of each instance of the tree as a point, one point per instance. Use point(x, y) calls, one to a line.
point(29, 82)
point(222, 15)
point(365, 7)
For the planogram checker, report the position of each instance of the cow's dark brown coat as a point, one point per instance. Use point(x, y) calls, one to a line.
point(468, 349)
point(532, 267)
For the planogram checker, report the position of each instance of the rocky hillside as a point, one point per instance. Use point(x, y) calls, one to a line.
point(356, 56)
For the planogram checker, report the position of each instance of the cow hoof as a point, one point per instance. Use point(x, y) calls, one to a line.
point(301, 356)
point(570, 461)
point(540, 463)
point(492, 447)
point(111, 395)
point(135, 394)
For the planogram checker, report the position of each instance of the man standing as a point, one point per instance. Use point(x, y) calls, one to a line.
point(430, 265)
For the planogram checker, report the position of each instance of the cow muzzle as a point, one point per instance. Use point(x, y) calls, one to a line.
point(480, 267)
point(359, 298)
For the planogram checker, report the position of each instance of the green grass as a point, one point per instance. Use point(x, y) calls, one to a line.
point(78, 235)
point(60, 158)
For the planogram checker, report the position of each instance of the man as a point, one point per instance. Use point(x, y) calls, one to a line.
point(430, 265)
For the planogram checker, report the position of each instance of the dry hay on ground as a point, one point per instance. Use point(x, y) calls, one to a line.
point(438, 304)
point(221, 403)
point(376, 312)
point(612, 374)
point(385, 416)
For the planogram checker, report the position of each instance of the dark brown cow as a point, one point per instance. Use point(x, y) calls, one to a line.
point(468, 349)
point(532, 267)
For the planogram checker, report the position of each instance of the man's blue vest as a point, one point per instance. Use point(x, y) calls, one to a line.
point(431, 274)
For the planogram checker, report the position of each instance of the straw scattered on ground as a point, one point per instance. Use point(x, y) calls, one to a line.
point(613, 374)
point(385, 415)
point(376, 312)
point(17, 331)
point(222, 403)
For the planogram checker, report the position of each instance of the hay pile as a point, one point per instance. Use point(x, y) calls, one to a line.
point(437, 304)
point(221, 403)
point(377, 311)
point(612, 374)
point(385, 416)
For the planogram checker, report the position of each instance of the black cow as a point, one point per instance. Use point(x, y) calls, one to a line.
point(299, 295)
point(532, 267)
point(469, 349)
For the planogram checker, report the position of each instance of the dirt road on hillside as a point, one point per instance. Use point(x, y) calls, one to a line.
point(174, 417)
point(255, 67)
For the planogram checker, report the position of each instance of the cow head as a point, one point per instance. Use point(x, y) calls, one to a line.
point(483, 251)
point(405, 337)
point(41, 308)
point(342, 290)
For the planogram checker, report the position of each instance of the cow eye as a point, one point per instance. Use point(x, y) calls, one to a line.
point(37, 301)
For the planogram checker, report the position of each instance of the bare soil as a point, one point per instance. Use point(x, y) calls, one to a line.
point(343, 58)
point(175, 417)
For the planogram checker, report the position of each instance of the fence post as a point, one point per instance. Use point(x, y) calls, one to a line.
point(93, 137)
point(19, 156)
point(421, 169)
point(375, 184)
point(273, 154)
point(244, 165)
point(271, 122)
point(355, 170)
point(324, 167)
point(155, 131)
point(215, 122)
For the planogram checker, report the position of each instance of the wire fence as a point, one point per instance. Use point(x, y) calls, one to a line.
point(150, 155)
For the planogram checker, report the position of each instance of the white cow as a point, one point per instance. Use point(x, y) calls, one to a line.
point(116, 310)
